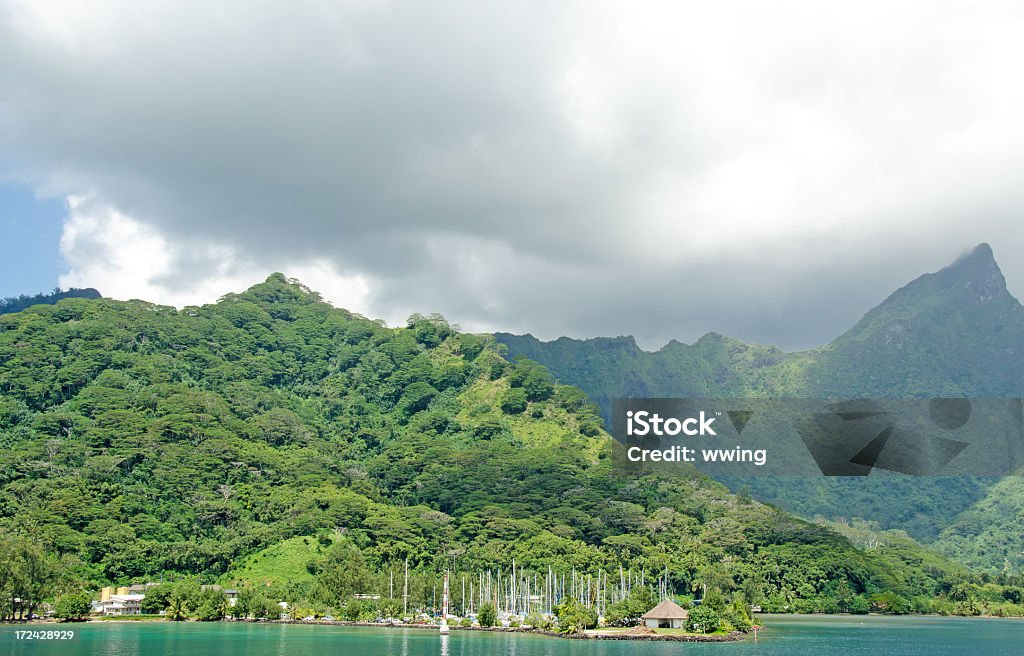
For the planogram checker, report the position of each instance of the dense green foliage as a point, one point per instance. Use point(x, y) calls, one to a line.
point(575, 617)
point(990, 530)
point(142, 442)
point(19, 303)
point(28, 576)
point(186, 599)
point(957, 332)
point(73, 606)
point(627, 612)
point(703, 619)
point(488, 615)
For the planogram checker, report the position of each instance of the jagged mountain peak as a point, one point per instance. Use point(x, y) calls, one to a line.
point(972, 280)
point(977, 273)
point(974, 277)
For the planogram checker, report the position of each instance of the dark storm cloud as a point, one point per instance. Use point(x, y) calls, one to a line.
point(562, 168)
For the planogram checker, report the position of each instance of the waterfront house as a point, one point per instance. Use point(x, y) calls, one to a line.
point(118, 604)
point(666, 615)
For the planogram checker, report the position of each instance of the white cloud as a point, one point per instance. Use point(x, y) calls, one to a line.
point(106, 249)
point(528, 166)
point(127, 259)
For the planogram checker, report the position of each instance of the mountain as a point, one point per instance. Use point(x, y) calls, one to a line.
point(955, 332)
point(270, 439)
point(18, 303)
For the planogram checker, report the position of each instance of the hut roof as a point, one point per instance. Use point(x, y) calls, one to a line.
point(666, 610)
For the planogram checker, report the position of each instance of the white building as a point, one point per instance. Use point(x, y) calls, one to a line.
point(129, 604)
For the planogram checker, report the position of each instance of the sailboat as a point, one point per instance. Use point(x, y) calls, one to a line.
point(444, 606)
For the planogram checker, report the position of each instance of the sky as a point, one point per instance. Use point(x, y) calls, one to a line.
point(662, 169)
point(30, 228)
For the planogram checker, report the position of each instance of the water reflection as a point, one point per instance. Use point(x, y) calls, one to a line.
point(787, 636)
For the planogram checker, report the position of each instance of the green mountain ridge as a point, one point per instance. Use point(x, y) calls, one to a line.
point(142, 442)
point(18, 303)
point(955, 332)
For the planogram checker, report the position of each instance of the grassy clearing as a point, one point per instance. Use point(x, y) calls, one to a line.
point(283, 562)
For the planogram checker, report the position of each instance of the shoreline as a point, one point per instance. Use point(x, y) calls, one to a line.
point(161, 618)
point(733, 636)
point(730, 637)
point(397, 625)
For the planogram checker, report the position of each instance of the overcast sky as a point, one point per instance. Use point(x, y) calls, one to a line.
point(765, 170)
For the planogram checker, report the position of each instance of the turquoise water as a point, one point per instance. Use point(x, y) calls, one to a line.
point(810, 635)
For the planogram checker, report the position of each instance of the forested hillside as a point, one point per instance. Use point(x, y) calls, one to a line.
point(272, 439)
point(957, 332)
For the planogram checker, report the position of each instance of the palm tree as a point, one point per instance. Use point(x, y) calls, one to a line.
point(177, 610)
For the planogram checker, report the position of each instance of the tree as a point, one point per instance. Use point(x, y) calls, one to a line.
point(429, 331)
point(628, 611)
point(843, 595)
point(341, 574)
point(212, 606)
point(489, 428)
point(574, 617)
point(356, 610)
point(538, 384)
point(268, 608)
point(859, 606)
point(27, 573)
point(513, 401)
point(417, 397)
point(703, 619)
point(890, 602)
point(280, 426)
point(487, 616)
point(177, 609)
point(713, 599)
point(73, 606)
point(390, 608)
point(156, 599)
point(254, 603)
point(738, 615)
point(210, 611)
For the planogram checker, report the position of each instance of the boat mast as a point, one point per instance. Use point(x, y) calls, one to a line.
point(405, 595)
point(444, 598)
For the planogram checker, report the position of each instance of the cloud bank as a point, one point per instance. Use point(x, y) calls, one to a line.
point(580, 168)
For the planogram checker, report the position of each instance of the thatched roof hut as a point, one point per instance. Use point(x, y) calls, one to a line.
point(666, 615)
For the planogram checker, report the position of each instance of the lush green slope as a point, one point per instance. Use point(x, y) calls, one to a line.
point(957, 332)
point(992, 528)
point(141, 441)
point(284, 562)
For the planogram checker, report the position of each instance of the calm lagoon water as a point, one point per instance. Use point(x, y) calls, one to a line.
point(801, 635)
